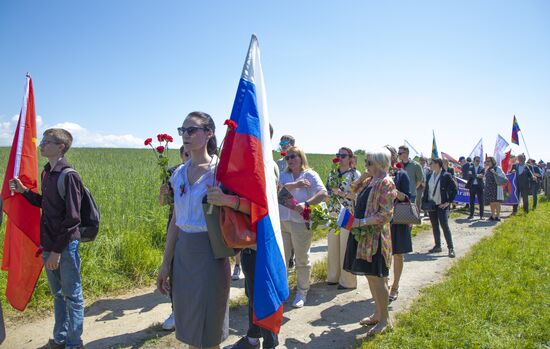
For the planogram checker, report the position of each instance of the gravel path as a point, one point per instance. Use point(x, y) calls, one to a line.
point(329, 319)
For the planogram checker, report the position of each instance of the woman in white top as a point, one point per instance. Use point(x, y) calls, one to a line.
point(306, 187)
point(200, 283)
point(343, 177)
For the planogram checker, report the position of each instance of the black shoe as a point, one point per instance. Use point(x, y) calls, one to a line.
point(291, 263)
point(470, 217)
point(243, 343)
point(452, 253)
point(435, 249)
point(331, 283)
point(53, 345)
point(497, 219)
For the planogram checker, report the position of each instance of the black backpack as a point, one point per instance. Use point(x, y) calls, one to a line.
point(89, 211)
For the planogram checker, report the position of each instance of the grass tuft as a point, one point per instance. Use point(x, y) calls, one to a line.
point(497, 296)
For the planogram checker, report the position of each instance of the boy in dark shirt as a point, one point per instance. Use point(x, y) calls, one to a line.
point(59, 238)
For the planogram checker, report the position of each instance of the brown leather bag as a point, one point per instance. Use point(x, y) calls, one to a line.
point(235, 227)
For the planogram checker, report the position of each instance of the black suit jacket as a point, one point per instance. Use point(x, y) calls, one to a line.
point(525, 179)
point(447, 186)
point(472, 174)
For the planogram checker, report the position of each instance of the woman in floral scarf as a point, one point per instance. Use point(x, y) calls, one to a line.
point(369, 253)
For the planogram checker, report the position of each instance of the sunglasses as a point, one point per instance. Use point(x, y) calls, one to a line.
point(46, 142)
point(341, 156)
point(190, 130)
point(369, 163)
point(284, 143)
point(290, 156)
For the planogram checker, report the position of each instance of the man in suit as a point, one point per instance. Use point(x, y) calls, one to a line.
point(475, 184)
point(524, 179)
point(537, 181)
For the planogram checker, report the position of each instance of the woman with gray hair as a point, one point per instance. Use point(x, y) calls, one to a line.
point(493, 191)
point(369, 253)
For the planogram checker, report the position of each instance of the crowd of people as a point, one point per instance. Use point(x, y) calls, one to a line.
point(199, 284)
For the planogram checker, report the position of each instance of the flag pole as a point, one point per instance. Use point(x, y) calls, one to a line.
point(525, 144)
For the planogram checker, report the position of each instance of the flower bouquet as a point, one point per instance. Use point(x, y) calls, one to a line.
point(161, 153)
point(361, 233)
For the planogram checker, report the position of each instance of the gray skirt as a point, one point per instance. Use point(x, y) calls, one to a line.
point(200, 292)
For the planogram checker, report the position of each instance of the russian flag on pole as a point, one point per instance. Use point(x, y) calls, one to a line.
point(345, 219)
point(246, 167)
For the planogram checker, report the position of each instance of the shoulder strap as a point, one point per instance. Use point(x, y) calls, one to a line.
point(61, 181)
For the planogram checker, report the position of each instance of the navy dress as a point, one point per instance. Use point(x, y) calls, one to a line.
point(401, 234)
point(360, 266)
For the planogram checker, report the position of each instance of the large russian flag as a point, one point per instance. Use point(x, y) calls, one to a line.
point(246, 167)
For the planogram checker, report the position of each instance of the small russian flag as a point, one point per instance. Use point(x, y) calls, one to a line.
point(345, 219)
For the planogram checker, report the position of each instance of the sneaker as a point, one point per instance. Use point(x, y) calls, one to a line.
point(53, 345)
point(243, 343)
point(236, 272)
point(169, 324)
point(435, 249)
point(451, 253)
point(299, 300)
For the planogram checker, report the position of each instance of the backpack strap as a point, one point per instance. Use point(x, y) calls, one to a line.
point(61, 181)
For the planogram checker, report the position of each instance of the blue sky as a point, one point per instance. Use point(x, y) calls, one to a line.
point(349, 73)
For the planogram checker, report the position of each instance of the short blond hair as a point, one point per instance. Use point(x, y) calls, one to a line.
point(298, 151)
point(381, 157)
point(61, 136)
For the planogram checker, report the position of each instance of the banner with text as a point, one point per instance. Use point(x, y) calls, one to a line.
point(510, 191)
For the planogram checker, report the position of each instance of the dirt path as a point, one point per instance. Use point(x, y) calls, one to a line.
point(329, 319)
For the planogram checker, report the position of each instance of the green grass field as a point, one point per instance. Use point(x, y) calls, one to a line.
point(497, 296)
point(129, 248)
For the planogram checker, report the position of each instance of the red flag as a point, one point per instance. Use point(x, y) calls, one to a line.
point(22, 237)
point(505, 163)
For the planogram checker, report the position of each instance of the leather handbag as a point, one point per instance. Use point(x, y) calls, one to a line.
point(405, 212)
point(212, 217)
point(235, 228)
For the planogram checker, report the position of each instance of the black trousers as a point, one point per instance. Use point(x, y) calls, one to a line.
point(476, 190)
point(248, 263)
point(441, 217)
point(535, 193)
point(524, 194)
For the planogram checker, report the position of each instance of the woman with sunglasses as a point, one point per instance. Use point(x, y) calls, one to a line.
point(306, 187)
point(344, 176)
point(286, 142)
point(199, 282)
point(371, 255)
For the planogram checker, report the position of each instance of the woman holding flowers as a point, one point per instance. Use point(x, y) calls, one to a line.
point(339, 188)
point(306, 187)
point(200, 283)
point(369, 252)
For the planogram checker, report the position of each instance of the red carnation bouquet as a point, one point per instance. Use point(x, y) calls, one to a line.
point(161, 153)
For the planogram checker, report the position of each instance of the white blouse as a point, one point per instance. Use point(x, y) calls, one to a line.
point(188, 197)
point(300, 194)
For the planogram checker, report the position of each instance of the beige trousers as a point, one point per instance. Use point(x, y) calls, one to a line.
point(336, 252)
point(296, 236)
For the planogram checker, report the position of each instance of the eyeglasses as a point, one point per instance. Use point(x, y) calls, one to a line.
point(190, 130)
point(284, 143)
point(341, 155)
point(290, 156)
